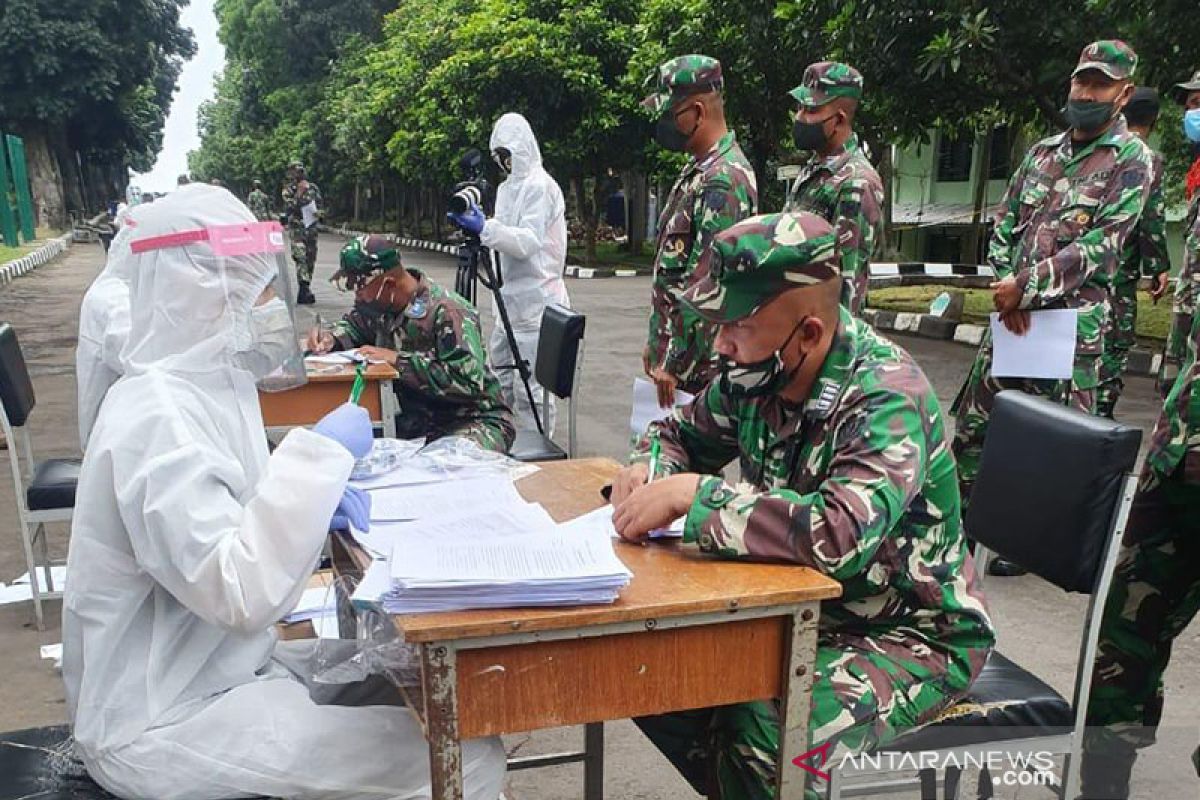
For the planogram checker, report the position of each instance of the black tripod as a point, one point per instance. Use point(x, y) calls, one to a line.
point(475, 263)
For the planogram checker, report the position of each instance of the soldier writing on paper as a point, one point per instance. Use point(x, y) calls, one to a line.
point(847, 469)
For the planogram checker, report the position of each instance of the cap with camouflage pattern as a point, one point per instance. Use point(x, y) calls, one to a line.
point(1182, 90)
point(827, 80)
point(1111, 56)
point(760, 258)
point(363, 256)
point(679, 77)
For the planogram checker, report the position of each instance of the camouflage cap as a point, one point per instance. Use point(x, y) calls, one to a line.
point(364, 255)
point(1182, 90)
point(826, 80)
point(679, 77)
point(760, 258)
point(1111, 56)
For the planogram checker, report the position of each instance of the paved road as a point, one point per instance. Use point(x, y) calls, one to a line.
point(1038, 626)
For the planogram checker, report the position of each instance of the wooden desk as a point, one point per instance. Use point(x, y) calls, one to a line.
point(327, 389)
point(688, 632)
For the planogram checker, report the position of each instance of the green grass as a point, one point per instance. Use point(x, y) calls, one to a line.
point(609, 254)
point(10, 253)
point(1153, 321)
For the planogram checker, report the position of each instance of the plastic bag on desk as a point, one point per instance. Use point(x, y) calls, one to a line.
point(460, 457)
point(385, 456)
point(375, 650)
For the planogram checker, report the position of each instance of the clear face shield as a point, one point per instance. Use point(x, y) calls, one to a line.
point(249, 261)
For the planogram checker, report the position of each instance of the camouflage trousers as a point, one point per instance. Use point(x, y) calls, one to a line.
point(860, 699)
point(1118, 341)
point(1154, 596)
point(973, 407)
point(489, 434)
point(304, 251)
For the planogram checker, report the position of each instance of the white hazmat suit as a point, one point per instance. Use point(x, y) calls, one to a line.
point(189, 542)
point(529, 231)
point(103, 328)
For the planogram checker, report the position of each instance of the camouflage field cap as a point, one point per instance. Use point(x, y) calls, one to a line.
point(1182, 90)
point(1111, 56)
point(679, 77)
point(754, 261)
point(827, 80)
point(364, 255)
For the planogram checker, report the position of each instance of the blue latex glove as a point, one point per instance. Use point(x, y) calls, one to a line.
point(353, 509)
point(350, 426)
point(470, 220)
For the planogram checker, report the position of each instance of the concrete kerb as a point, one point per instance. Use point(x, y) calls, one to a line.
point(11, 270)
point(883, 275)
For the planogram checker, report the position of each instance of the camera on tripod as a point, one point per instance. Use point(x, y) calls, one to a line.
point(474, 189)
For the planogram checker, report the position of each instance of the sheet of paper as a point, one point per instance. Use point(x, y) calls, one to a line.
point(599, 523)
point(448, 523)
point(326, 626)
point(309, 213)
point(414, 502)
point(57, 573)
point(340, 357)
point(1047, 350)
point(15, 593)
point(313, 603)
point(646, 408)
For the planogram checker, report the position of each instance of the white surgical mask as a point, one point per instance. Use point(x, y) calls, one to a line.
point(268, 341)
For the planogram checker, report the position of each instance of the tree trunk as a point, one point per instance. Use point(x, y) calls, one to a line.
point(68, 167)
point(635, 210)
point(45, 178)
point(885, 175)
point(982, 167)
point(589, 221)
point(357, 193)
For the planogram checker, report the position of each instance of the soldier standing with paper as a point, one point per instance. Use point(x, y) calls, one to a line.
point(1058, 240)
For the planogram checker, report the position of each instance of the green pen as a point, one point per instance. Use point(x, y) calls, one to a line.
point(654, 450)
point(360, 382)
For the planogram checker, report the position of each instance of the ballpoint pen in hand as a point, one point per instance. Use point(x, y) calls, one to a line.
point(654, 453)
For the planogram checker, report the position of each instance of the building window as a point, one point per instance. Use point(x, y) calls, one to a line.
point(954, 158)
point(1000, 167)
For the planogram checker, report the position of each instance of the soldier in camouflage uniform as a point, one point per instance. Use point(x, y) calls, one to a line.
point(1188, 94)
point(431, 336)
point(846, 468)
point(1145, 254)
point(1155, 592)
point(258, 202)
point(838, 181)
point(715, 189)
point(1063, 226)
point(298, 193)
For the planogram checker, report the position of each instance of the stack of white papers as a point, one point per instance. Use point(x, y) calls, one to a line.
point(512, 558)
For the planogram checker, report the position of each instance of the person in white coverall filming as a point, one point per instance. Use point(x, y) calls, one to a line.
point(529, 232)
point(190, 541)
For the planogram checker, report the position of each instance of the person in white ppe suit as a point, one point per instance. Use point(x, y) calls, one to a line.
point(529, 232)
point(189, 541)
point(103, 326)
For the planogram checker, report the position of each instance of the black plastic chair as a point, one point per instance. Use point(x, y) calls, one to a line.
point(45, 490)
point(40, 763)
point(1053, 495)
point(559, 356)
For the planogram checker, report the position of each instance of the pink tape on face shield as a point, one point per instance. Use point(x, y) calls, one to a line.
point(229, 241)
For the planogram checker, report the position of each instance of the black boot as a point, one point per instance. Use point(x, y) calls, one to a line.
point(305, 297)
point(1003, 568)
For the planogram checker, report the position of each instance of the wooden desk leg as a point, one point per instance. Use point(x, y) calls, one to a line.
point(387, 405)
point(593, 761)
point(439, 672)
point(797, 702)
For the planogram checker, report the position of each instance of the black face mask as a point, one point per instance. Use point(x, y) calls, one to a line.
point(762, 377)
point(669, 136)
point(810, 135)
point(503, 159)
point(1088, 115)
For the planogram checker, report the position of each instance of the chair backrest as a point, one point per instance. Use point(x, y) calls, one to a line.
point(558, 349)
point(16, 389)
point(1049, 484)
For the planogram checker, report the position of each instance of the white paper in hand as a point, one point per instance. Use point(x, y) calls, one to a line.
point(1046, 351)
point(646, 408)
point(308, 213)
